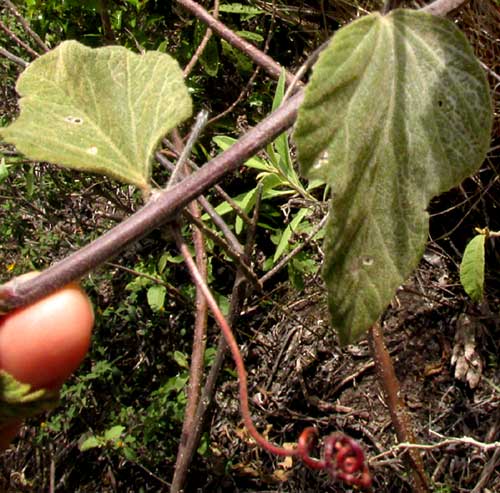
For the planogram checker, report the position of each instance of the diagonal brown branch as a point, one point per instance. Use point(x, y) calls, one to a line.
point(260, 58)
point(152, 215)
point(443, 7)
point(25, 25)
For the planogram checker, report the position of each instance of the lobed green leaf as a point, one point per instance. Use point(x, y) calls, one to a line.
point(101, 110)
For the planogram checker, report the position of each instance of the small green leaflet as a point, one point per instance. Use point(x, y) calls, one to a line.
point(156, 297)
point(472, 268)
point(397, 111)
point(18, 401)
point(101, 110)
point(4, 170)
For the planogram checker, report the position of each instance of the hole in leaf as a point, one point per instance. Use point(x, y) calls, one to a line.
point(367, 261)
point(75, 120)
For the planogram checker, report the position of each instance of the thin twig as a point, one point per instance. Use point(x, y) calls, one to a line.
point(155, 213)
point(197, 358)
point(204, 42)
point(209, 209)
point(13, 58)
point(442, 7)
point(240, 97)
point(399, 415)
point(18, 41)
point(197, 363)
point(266, 62)
point(200, 327)
point(284, 261)
point(447, 442)
point(179, 172)
point(235, 352)
point(107, 29)
point(25, 25)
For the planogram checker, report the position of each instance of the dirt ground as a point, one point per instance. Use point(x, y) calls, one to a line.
point(299, 377)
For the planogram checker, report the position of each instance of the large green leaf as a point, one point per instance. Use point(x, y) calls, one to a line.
point(472, 268)
point(397, 111)
point(101, 110)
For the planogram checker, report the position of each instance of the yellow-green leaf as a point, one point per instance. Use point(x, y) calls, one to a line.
point(397, 111)
point(472, 268)
point(101, 110)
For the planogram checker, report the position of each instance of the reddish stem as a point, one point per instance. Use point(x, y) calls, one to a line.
point(343, 459)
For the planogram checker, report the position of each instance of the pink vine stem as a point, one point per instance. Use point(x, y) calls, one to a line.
point(343, 457)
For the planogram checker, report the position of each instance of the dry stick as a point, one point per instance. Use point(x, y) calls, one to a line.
point(107, 29)
point(17, 40)
point(25, 25)
point(216, 218)
point(442, 7)
point(235, 352)
point(201, 47)
point(237, 297)
point(284, 261)
point(200, 327)
point(399, 415)
point(266, 62)
point(155, 213)
point(13, 58)
point(197, 354)
point(218, 189)
point(490, 467)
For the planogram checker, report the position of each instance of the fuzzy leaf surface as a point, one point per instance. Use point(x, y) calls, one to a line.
point(396, 112)
point(101, 110)
point(472, 268)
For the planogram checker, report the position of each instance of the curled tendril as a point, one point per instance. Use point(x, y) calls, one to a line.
point(343, 458)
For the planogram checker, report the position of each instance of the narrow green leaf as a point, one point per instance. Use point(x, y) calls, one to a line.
point(210, 57)
point(397, 111)
point(472, 268)
point(238, 8)
point(101, 110)
point(156, 297)
point(287, 233)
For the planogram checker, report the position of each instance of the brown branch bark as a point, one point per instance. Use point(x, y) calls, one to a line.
point(266, 62)
point(26, 25)
point(397, 409)
point(443, 7)
point(152, 215)
point(13, 58)
point(18, 41)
